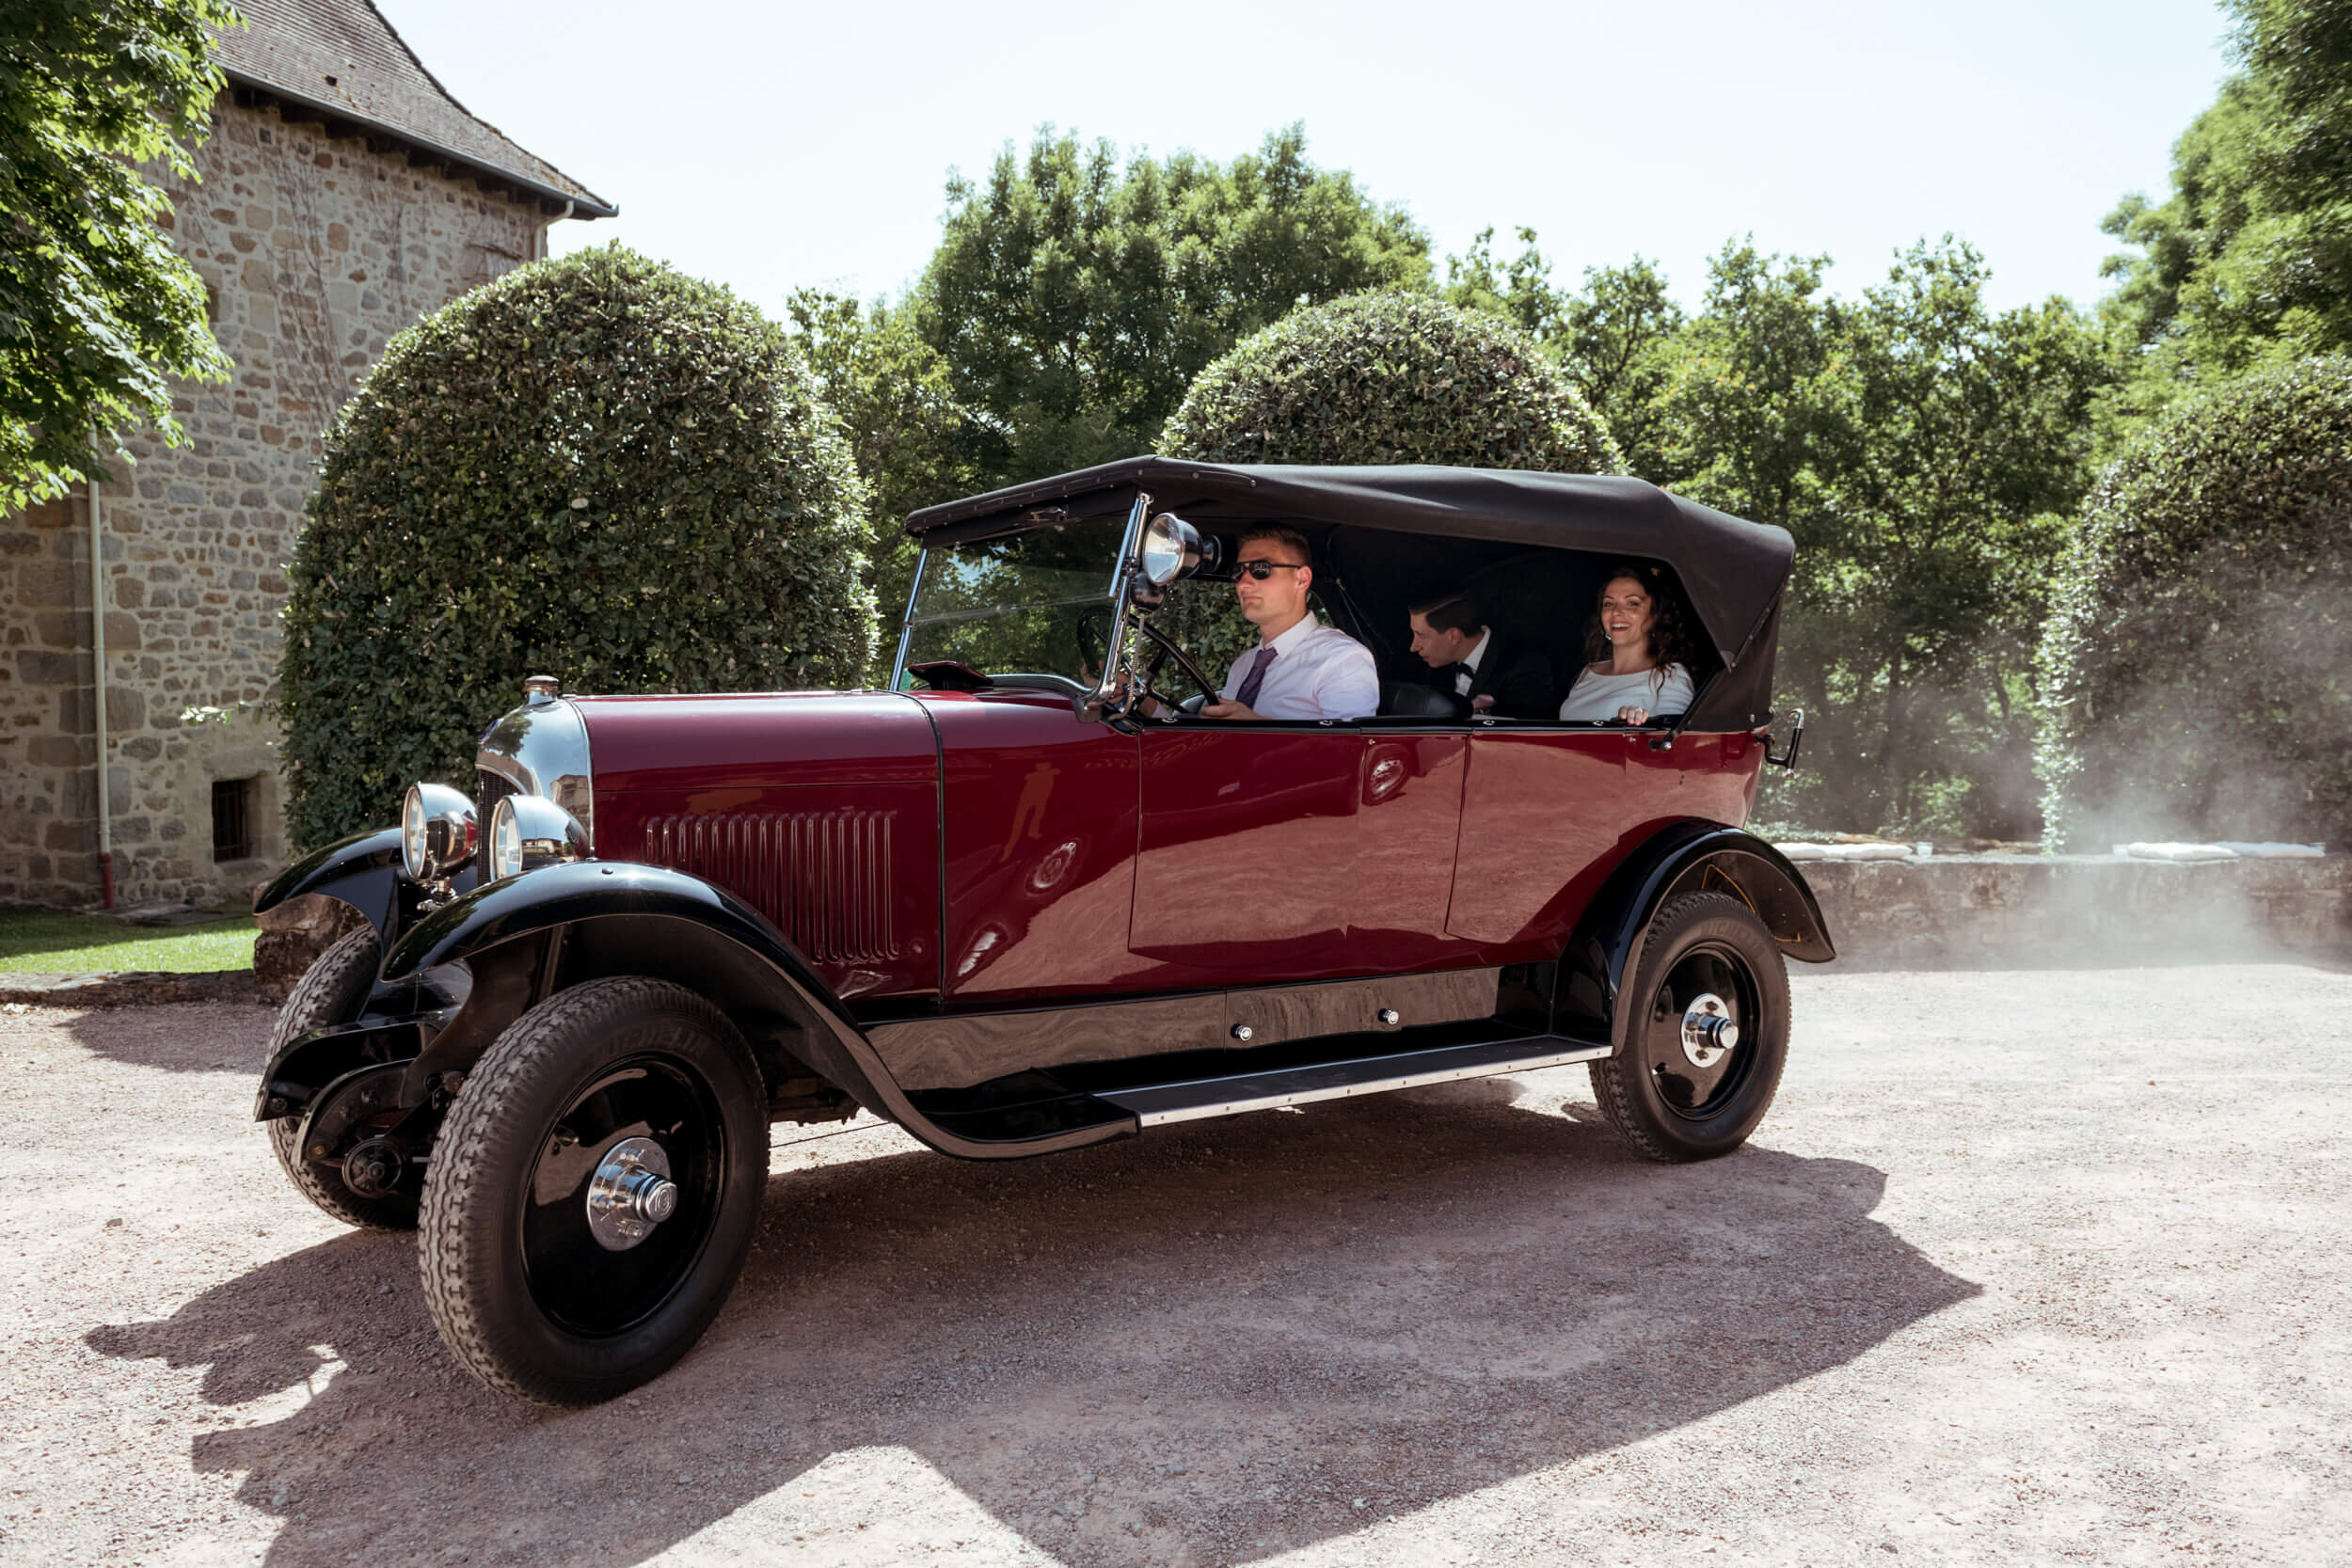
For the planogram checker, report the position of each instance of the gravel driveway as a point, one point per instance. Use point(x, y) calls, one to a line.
point(2023, 1266)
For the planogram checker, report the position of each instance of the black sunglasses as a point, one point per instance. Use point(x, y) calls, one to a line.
point(1263, 569)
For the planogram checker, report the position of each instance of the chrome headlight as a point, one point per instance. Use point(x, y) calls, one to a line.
point(528, 832)
point(1173, 548)
point(437, 831)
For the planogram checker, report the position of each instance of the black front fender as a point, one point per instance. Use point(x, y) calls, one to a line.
point(1686, 857)
point(305, 1064)
point(597, 917)
point(363, 871)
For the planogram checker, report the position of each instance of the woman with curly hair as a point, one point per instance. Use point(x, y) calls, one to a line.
point(1639, 663)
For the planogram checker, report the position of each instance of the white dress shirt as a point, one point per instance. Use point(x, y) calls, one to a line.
point(1318, 671)
point(1597, 697)
point(1467, 674)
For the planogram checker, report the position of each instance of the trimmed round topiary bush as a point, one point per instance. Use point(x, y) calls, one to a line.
point(1391, 377)
point(2197, 660)
point(1387, 376)
point(593, 467)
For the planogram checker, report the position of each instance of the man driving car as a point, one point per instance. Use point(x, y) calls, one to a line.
point(1300, 669)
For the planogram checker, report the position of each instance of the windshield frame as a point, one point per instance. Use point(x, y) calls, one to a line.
point(1119, 594)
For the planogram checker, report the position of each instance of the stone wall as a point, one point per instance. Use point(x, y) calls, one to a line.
point(313, 252)
point(1980, 910)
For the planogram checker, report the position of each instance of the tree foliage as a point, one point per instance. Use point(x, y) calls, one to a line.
point(913, 440)
point(2198, 661)
point(1383, 377)
point(1391, 377)
point(1613, 339)
point(593, 467)
point(1074, 300)
point(1923, 450)
point(96, 311)
point(2248, 261)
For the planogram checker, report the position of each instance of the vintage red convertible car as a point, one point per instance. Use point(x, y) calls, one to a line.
point(1000, 907)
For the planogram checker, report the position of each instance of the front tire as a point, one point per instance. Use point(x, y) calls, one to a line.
point(1674, 1091)
point(544, 1267)
point(332, 990)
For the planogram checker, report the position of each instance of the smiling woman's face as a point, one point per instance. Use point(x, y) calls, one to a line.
point(1626, 616)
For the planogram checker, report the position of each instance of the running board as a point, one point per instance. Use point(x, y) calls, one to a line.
point(1160, 1103)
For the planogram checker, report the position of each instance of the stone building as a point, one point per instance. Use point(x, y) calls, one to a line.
point(344, 194)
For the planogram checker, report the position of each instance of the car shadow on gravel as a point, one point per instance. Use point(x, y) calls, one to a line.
point(1209, 1344)
point(186, 1037)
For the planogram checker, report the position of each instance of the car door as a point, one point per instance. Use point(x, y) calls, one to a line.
point(1037, 816)
point(1273, 851)
point(1546, 815)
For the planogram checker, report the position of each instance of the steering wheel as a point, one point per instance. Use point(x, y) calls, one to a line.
point(1091, 632)
point(1164, 648)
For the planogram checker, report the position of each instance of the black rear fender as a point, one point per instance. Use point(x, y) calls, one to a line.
point(1689, 857)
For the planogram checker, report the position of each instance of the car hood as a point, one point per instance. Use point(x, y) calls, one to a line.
point(662, 742)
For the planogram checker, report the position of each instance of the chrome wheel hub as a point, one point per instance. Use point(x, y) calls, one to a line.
point(630, 1194)
point(1707, 1030)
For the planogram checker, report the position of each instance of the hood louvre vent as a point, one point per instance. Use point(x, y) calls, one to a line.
point(822, 877)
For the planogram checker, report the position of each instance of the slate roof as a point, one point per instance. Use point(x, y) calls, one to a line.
point(341, 63)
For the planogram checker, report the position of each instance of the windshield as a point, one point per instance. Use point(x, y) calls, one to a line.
point(1029, 604)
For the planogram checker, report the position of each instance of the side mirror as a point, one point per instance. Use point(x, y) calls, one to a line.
point(1796, 738)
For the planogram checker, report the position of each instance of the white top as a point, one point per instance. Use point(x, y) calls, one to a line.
point(1597, 698)
point(1468, 672)
point(1318, 671)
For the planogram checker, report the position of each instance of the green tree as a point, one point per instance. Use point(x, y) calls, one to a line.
point(1923, 450)
point(1390, 376)
point(2248, 261)
point(913, 440)
point(96, 311)
point(1952, 442)
point(1739, 407)
point(593, 467)
point(1074, 300)
point(2195, 662)
point(1613, 337)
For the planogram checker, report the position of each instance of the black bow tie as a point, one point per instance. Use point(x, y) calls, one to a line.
point(1456, 669)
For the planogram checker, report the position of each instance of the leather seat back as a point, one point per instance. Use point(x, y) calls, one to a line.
point(1414, 700)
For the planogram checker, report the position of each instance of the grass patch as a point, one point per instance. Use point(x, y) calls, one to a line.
point(44, 942)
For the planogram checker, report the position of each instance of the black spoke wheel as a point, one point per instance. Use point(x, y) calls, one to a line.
point(1702, 1032)
point(332, 990)
point(594, 1191)
point(592, 1285)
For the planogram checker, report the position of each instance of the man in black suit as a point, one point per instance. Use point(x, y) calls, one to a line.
point(1482, 671)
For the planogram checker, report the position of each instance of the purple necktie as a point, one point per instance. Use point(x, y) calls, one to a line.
point(1256, 678)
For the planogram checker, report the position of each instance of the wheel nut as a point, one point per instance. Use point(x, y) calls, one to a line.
point(1708, 1030)
point(654, 1197)
point(630, 1194)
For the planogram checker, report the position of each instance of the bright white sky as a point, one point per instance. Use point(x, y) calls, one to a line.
point(770, 146)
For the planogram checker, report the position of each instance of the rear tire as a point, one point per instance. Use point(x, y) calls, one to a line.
point(332, 990)
point(1673, 1097)
point(521, 1269)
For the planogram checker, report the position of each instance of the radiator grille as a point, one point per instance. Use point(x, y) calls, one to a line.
point(824, 877)
point(494, 788)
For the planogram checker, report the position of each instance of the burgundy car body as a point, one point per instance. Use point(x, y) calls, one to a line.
point(1015, 920)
